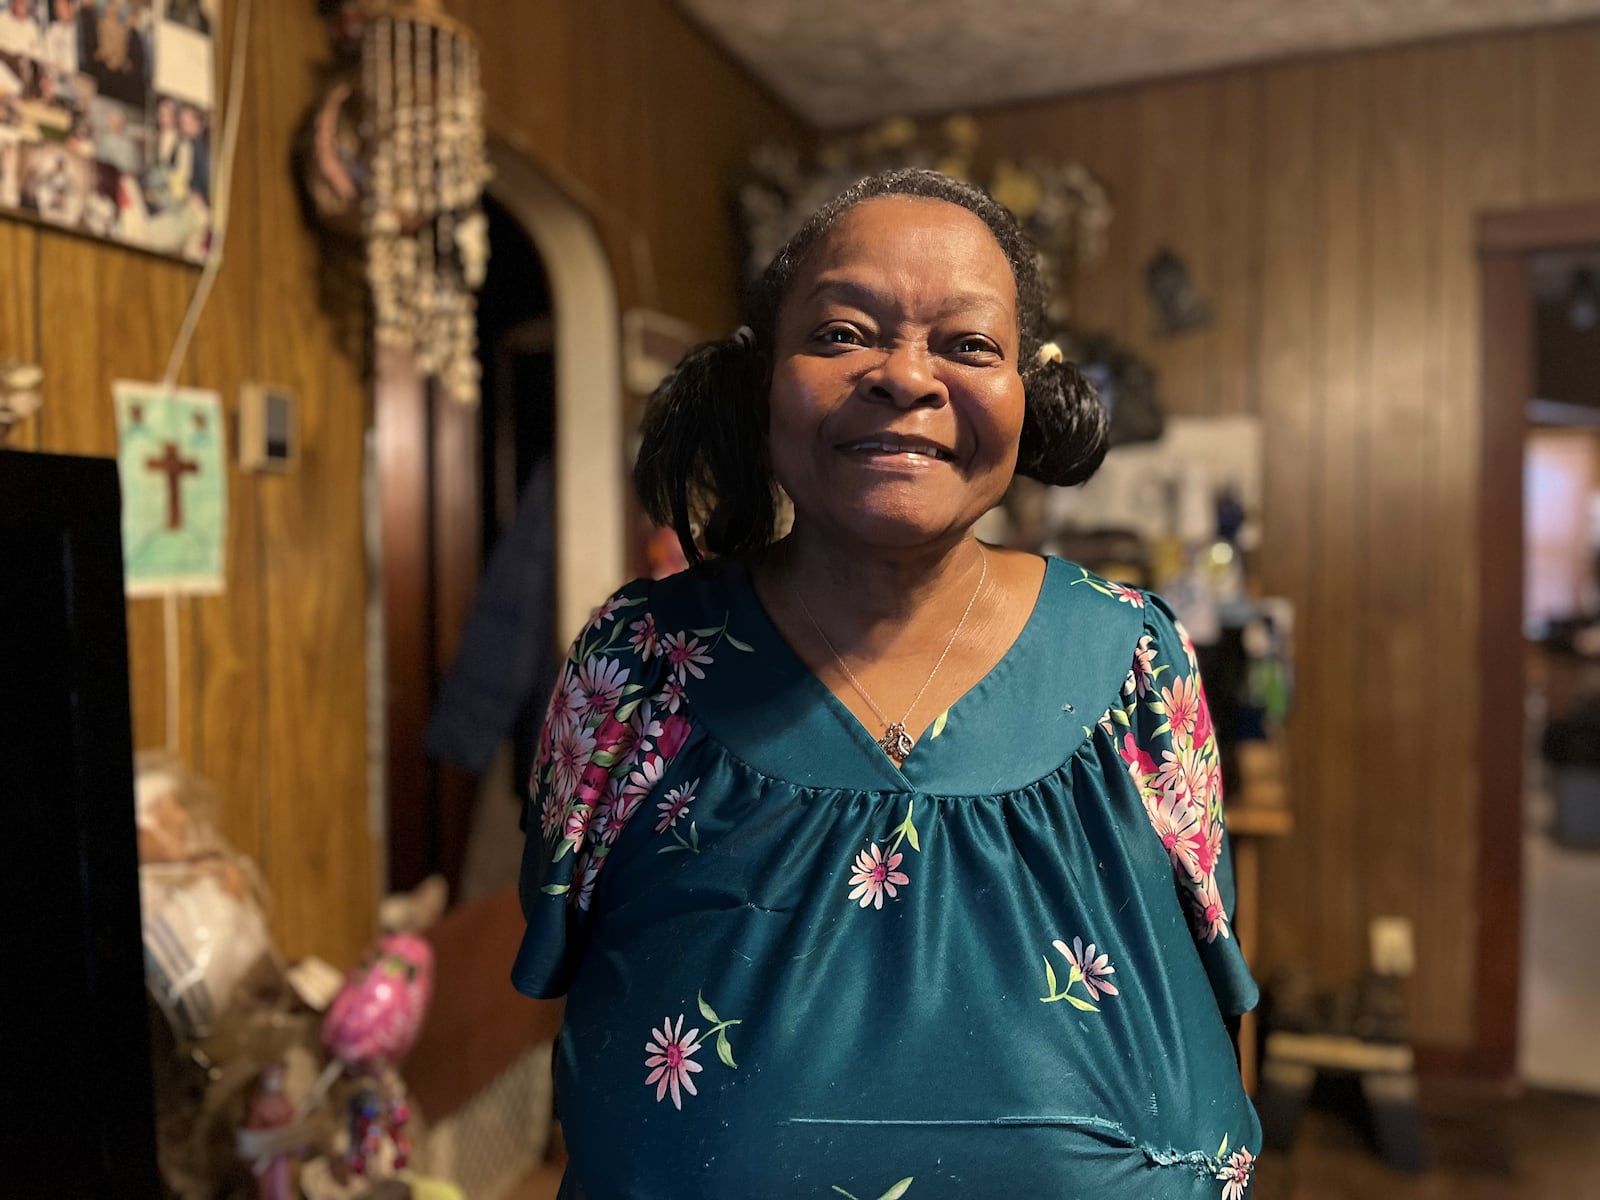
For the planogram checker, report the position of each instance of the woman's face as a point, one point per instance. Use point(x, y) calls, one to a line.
point(896, 402)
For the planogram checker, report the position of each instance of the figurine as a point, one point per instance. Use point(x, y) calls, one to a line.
point(267, 1140)
point(371, 1025)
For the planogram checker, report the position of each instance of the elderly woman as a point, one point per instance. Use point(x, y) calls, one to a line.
point(873, 860)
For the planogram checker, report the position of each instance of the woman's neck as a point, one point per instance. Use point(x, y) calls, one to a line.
point(868, 599)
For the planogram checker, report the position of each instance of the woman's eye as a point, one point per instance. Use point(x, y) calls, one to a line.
point(975, 345)
point(839, 335)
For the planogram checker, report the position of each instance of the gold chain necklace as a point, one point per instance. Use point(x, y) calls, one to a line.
point(896, 742)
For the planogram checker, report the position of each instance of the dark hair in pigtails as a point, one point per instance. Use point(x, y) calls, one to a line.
point(1064, 425)
point(703, 458)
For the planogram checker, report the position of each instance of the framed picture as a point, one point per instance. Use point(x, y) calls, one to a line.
point(106, 118)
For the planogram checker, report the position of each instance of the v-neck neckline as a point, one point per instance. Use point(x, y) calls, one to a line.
point(847, 717)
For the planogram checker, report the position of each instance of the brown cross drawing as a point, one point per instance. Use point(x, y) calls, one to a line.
point(175, 467)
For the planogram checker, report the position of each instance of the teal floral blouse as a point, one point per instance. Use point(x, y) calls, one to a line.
point(793, 969)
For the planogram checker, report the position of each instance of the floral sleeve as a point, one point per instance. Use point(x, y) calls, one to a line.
point(1170, 747)
point(606, 741)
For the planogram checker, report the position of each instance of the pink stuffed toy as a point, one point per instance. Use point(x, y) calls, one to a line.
point(370, 1026)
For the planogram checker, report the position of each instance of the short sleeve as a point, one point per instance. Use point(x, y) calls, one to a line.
point(1171, 752)
point(599, 756)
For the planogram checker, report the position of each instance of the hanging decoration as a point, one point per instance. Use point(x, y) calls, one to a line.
point(426, 236)
point(1061, 206)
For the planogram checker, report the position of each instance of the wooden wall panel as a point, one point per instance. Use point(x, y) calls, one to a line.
point(1480, 99)
point(1392, 661)
point(1326, 208)
point(1169, 207)
point(19, 243)
point(1335, 482)
point(1563, 134)
point(1289, 313)
point(313, 581)
point(291, 789)
point(227, 671)
point(635, 115)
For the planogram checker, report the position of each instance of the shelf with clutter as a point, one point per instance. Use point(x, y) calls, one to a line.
point(1176, 509)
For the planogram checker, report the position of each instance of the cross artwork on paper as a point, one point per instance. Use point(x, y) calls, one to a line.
point(174, 488)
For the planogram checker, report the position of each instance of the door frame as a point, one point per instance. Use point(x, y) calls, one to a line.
point(1504, 241)
point(429, 508)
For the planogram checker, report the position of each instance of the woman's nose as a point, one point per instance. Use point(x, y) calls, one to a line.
point(905, 378)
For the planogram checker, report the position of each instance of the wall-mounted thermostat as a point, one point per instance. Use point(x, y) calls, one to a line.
point(268, 438)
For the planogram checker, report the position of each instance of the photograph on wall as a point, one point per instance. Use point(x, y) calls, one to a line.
point(125, 88)
point(173, 465)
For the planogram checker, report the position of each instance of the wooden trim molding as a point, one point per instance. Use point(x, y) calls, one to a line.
point(1505, 239)
point(591, 443)
point(1551, 227)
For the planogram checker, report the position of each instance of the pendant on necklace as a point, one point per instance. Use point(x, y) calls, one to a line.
point(896, 743)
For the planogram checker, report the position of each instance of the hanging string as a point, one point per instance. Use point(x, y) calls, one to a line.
point(169, 633)
point(222, 197)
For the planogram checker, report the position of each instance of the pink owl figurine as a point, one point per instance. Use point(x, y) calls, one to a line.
point(375, 1018)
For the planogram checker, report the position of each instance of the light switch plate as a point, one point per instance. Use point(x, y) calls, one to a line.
point(1393, 946)
point(268, 428)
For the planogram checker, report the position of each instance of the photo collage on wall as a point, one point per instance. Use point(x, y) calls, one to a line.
point(106, 118)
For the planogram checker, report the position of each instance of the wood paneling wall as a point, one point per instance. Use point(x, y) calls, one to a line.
point(642, 122)
point(273, 689)
point(1327, 209)
point(630, 111)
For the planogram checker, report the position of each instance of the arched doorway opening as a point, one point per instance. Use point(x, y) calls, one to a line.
point(530, 488)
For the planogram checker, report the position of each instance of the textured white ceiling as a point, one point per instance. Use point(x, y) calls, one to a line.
point(849, 62)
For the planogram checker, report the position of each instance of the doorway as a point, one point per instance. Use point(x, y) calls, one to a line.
point(1532, 925)
point(451, 481)
point(1561, 622)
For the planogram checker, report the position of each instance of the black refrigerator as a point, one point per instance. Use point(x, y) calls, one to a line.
point(76, 1106)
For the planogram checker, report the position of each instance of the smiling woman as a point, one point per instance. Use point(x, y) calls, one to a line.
point(884, 770)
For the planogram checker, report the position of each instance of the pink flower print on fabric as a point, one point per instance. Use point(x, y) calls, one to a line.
point(587, 872)
point(1128, 595)
point(1205, 906)
point(1178, 827)
point(605, 612)
point(876, 874)
point(1144, 665)
point(1181, 773)
point(570, 752)
point(1208, 847)
point(669, 1055)
point(1092, 968)
point(1182, 702)
point(576, 827)
point(645, 637)
point(687, 655)
point(1088, 966)
point(600, 683)
point(1140, 765)
point(644, 777)
point(1203, 728)
point(550, 815)
point(672, 695)
point(608, 821)
point(675, 805)
point(1188, 646)
point(569, 700)
point(645, 724)
point(674, 733)
point(623, 808)
point(1235, 1174)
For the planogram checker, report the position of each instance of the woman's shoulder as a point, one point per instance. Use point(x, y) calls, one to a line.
point(1098, 597)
